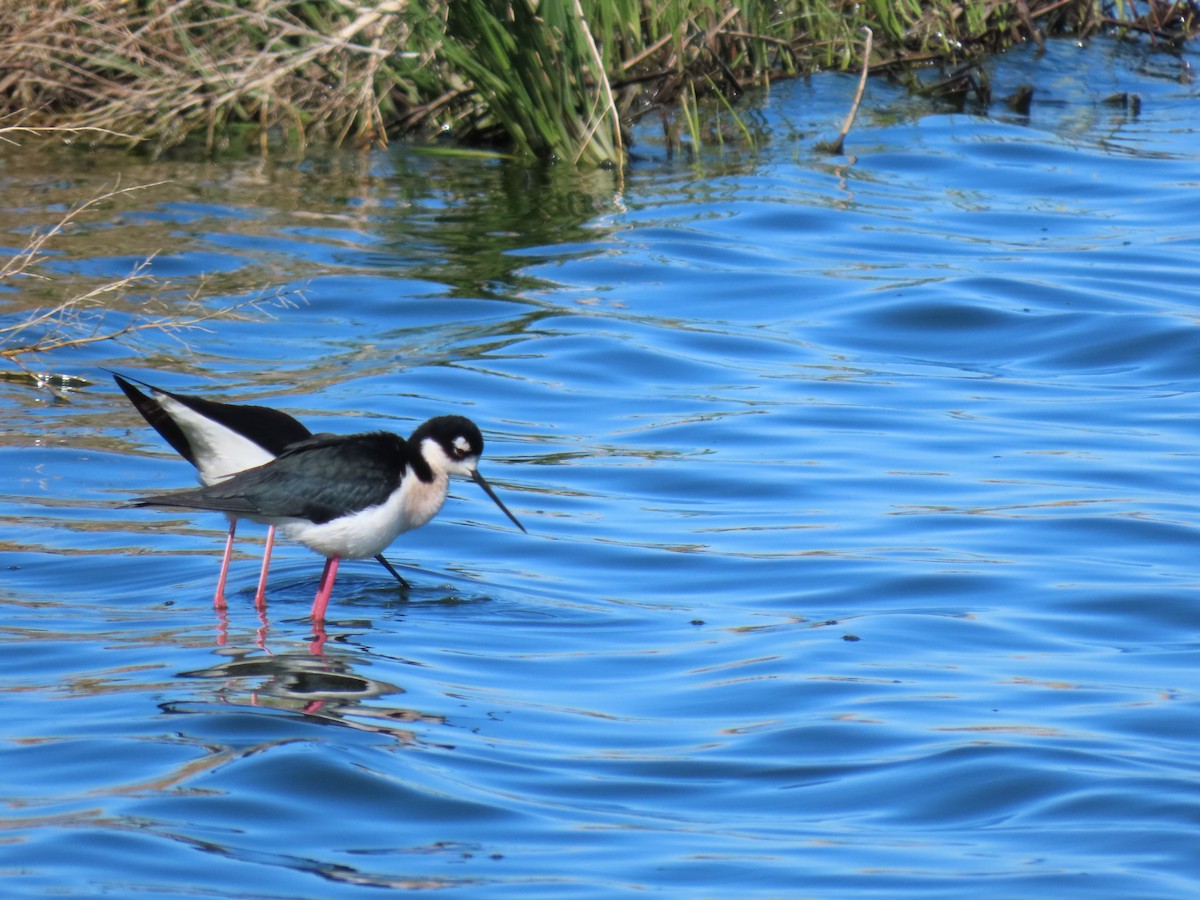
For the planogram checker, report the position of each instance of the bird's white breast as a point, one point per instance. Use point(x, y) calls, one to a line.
point(368, 531)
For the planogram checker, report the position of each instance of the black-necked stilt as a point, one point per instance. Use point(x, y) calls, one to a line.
point(348, 497)
point(221, 439)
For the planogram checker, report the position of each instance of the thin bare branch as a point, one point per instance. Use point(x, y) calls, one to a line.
point(31, 255)
point(87, 317)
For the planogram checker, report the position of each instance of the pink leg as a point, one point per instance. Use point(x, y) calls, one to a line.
point(324, 589)
point(260, 597)
point(219, 596)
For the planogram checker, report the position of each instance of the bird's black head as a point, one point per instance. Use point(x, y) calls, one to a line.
point(453, 444)
point(456, 437)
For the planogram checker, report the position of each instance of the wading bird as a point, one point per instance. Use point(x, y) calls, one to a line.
point(350, 496)
point(220, 440)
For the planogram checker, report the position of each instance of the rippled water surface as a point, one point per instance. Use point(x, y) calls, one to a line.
point(862, 500)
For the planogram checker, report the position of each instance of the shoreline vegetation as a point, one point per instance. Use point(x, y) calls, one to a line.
point(560, 80)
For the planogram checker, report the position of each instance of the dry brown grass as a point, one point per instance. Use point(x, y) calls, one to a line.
point(165, 70)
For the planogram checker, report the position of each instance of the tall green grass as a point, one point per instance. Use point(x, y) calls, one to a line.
point(539, 75)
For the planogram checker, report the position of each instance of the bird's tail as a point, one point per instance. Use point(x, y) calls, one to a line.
point(194, 498)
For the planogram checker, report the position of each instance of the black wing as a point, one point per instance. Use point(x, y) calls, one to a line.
point(157, 417)
point(318, 479)
point(271, 429)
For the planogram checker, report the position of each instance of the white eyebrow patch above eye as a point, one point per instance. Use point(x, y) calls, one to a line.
point(462, 445)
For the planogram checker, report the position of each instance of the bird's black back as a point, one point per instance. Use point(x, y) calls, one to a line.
point(318, 479)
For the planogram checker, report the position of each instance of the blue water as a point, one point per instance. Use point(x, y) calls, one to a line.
point(861, 490)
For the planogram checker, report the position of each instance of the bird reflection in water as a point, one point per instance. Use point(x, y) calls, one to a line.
point(316, 685)
point(316, 647)
point(260, 634)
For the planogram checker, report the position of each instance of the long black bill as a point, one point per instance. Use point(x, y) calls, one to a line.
point(487, 489)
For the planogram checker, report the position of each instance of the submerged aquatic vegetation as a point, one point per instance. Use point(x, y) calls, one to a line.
point(557, 79)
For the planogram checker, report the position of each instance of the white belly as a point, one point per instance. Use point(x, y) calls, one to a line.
point(367, 532)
